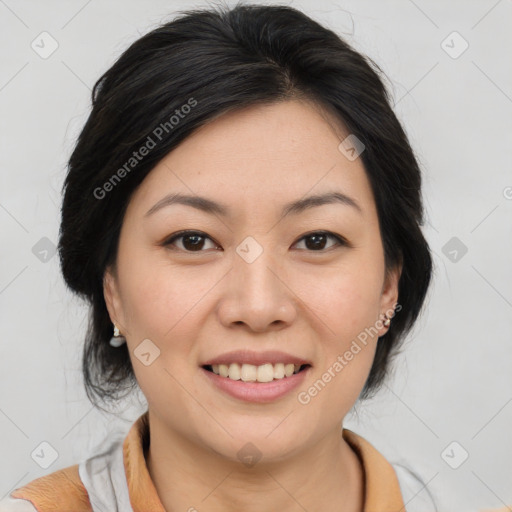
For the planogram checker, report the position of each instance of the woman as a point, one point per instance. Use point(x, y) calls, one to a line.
point(243, 213)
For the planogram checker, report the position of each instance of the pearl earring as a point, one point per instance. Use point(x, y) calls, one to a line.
point(117, 339)
point(387, 320)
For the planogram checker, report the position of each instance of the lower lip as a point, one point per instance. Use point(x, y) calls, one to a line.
point(259, 392)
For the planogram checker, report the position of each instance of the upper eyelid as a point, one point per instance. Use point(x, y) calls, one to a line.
point(338, 238)
point(182, 234)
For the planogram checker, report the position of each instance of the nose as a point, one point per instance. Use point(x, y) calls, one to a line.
point(257, 296)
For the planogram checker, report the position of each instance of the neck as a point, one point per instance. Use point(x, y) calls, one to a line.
point(325, 476)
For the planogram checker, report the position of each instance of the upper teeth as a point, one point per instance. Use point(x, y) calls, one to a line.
point(250, 373)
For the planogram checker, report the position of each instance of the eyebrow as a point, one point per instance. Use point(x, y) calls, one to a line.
point(295, 207)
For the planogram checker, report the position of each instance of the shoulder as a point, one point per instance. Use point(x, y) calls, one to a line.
point(63, 487)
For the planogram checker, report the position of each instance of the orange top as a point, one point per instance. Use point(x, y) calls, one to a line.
point(64, 490)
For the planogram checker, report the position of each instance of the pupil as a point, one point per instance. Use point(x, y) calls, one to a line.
point(196, 244)
point(315, 245)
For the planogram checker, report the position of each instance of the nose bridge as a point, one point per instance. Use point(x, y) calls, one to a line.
point(257, 272)
point(257, 293)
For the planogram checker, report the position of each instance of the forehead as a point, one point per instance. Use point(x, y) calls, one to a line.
point(260, 157)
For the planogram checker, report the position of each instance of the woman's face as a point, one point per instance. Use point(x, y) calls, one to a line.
point(253, 276)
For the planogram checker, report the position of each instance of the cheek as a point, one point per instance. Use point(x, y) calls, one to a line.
point(159, 304)
point(347, 299)
point(164, 302)
point(346, 305)
point(158, 301)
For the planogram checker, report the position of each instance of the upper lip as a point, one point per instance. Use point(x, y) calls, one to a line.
point(256, 358)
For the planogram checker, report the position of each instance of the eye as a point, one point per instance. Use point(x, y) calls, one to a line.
point(191, 241)
point(316, 241)
point(194, 241)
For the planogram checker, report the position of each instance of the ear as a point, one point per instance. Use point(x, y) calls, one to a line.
point(112, 298)
point(389, 295)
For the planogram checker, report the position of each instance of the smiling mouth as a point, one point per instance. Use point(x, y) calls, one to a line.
point(251, 373)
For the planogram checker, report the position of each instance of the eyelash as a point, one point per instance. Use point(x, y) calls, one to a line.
point(341, 242)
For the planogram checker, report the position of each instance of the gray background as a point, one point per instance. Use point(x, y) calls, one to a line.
point(453, 381)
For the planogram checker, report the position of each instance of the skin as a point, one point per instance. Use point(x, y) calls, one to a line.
point(199, 304)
